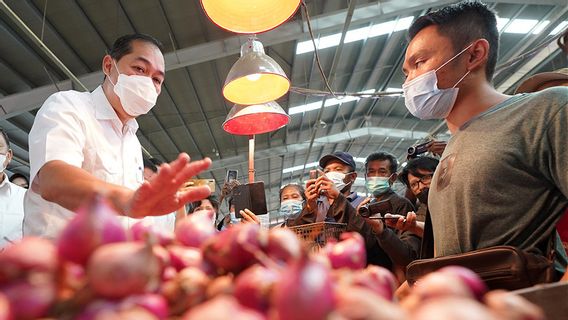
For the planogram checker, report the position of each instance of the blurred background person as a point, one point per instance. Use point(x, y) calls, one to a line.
point(20, 180)
point(292, 201)
point(11, 198)
point(209, 205)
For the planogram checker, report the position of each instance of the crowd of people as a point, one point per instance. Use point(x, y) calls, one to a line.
point(502, 178)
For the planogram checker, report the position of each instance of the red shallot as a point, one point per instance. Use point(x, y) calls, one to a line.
point(118, 270)
point(304, 291)
point(93, 225)
point(194, 229)
point(254, 286)
point(348, 253)
point(223, 308)
point(30, 254)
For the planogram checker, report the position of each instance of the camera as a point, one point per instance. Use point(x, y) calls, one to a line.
point(418, 149)
point(375, 207)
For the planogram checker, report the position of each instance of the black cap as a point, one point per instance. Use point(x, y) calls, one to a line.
point(344, 157)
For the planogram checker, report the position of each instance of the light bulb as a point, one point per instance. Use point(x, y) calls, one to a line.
point(253, 77)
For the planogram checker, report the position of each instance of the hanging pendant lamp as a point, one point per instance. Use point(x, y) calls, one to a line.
point(249, 16)
point(255, 77)
point(255, 119)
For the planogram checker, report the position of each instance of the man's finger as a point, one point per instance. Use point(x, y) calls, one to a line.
point(193, 194)
point(192, 169)
point(179, 162)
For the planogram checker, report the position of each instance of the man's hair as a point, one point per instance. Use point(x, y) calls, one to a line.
point(5, 135)
point(123, 45)
point(463, 23)
point(381, 156)
point(150, 165)
point(293, 185)
point(19, 175)
point(212, 198)
point(421, 163)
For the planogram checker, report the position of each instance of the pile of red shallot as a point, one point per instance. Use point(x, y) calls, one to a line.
point(98, 270)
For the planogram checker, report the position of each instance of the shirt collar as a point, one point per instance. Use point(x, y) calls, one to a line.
point(104, 110)
point(6, 183)
point(352, 196)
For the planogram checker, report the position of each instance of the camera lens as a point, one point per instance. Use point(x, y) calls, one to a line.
point(364, 211)
point(411, 150)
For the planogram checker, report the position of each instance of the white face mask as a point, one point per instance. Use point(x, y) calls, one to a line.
point(2, 162)
point(425, 100)
point(137, 94)
point(291, 208)
point(210, 214)
point(338, 179)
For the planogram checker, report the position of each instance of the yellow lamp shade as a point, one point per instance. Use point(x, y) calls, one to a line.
point(255, 119)
point(249, 16)
point(255, 78)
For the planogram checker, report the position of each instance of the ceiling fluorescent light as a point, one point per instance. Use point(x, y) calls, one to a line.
point(538, 29)
point(521, 26)
point(316, 105)
point(321, 43)
point(356, 35)
point(561, 26)
point(403, 24)
point(300, 167)
point(501, 23)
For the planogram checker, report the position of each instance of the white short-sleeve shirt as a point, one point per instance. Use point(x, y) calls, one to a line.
point(83, 130)
point(11, 211)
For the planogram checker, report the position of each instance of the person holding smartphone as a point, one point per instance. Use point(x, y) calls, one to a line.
point(336, 178)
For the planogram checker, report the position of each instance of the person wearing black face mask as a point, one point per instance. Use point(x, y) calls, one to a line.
point(416, 175)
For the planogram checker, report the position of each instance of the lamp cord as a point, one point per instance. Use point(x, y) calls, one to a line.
point(316, 49)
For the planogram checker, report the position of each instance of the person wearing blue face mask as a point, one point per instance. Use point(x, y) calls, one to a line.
point(401, 246)
point(292, 201)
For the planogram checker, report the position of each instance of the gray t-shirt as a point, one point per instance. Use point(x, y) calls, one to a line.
point(503, 178)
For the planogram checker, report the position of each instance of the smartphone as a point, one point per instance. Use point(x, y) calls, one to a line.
point(200, 182)
point(250, 196)
point(231, 175)
point(313, 174)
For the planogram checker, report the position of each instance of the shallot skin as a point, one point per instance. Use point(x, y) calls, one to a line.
point(118, 270)
point(94, 224)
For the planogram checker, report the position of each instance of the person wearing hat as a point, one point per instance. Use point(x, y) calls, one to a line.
point(339, 174)
point(329, 198)
point(544, 80)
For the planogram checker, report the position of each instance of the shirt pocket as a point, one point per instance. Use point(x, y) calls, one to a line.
point(102, 164)
point(11, 227)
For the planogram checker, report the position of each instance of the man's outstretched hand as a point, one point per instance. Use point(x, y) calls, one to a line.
point(161, 194)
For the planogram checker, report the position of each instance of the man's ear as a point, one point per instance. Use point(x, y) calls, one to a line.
point(107, 65)
point(9, 155)
point(479, 53)
point(393, 178)
point(354, 176)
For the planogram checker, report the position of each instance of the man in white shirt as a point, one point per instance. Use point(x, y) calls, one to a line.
point(83, 143)
point(11, 198)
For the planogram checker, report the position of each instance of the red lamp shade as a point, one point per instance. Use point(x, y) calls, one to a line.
point(249, 16)
point(255, 119)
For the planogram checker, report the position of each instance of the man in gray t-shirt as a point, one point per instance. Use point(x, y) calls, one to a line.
point(503, 178)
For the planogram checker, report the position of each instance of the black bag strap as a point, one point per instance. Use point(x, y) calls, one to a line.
point(427, 244)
